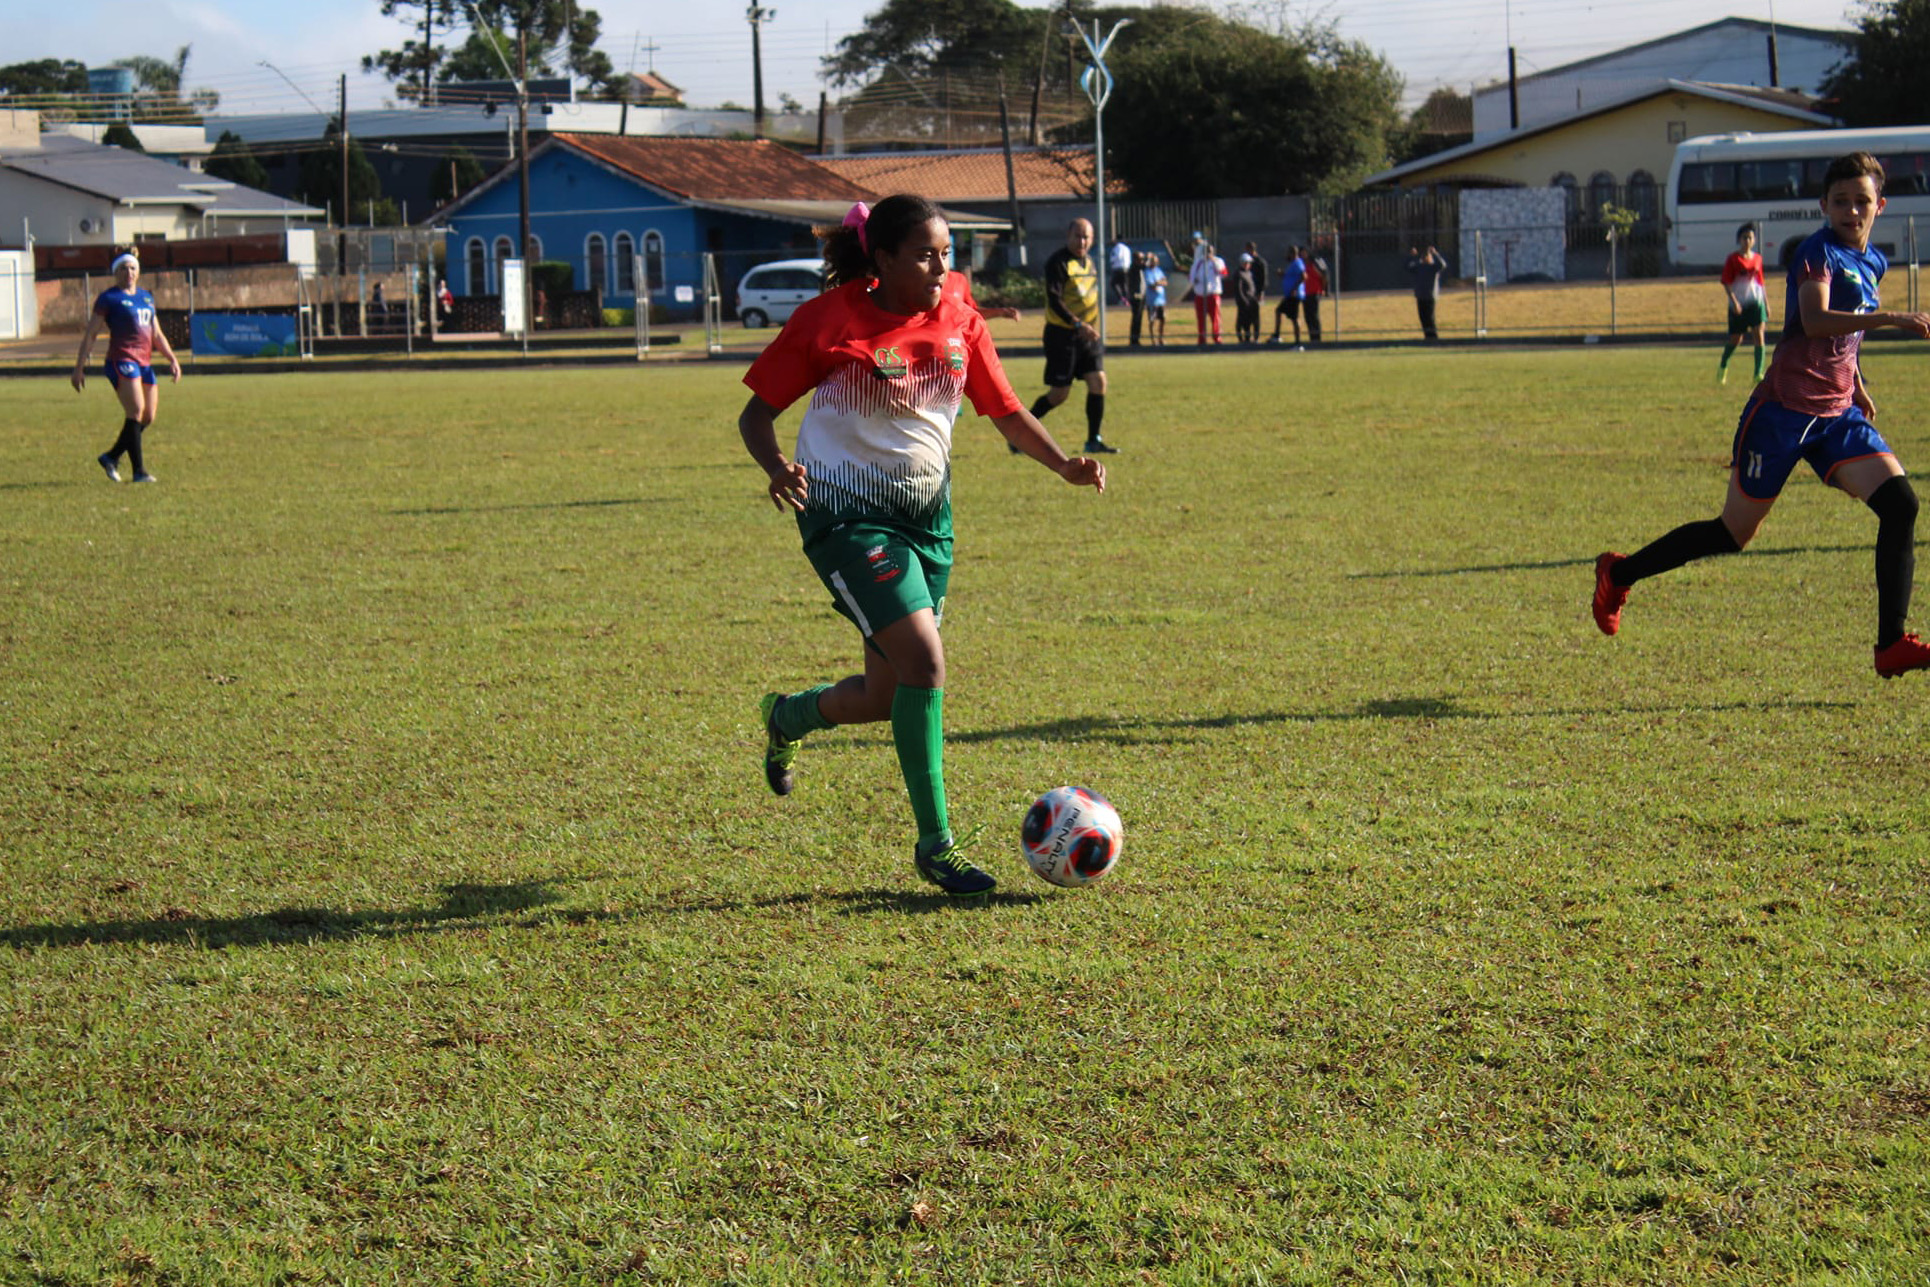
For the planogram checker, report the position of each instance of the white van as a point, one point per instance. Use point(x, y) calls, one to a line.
point(769, 293)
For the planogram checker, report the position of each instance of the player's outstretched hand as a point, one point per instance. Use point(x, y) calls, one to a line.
point(79, 378)
point(1917, 324)
point(790, 487)
point(1084, 471)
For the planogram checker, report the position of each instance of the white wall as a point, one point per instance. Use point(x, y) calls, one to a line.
point(19, 308)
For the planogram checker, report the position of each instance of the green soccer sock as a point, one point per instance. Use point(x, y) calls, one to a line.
point(1727, 353)
point(1761, 358)
point(798, 714)
point(918, 729)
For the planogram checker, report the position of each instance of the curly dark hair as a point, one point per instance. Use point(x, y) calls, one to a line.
point(847, 258)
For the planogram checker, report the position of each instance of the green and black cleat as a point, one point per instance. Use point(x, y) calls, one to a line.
point(951, 873)
point(780, 753)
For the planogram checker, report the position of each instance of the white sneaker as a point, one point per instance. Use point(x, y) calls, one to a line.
point(106, 462)
point(146, 478)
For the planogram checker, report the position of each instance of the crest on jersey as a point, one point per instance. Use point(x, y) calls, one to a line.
point(955, 355)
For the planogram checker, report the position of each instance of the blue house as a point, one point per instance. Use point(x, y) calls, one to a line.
point(597, 202)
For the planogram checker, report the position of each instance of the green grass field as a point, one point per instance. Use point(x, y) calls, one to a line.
point(392, 895)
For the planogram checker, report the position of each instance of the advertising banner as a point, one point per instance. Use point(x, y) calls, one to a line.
point(244, 335)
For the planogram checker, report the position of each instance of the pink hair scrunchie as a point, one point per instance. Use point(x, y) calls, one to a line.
point(856, 217)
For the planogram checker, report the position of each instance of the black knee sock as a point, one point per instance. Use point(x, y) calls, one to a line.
point(1895, 504)
point(130, 435)
point(134, 448)
point(1039, 408)
point(1095, 415)
point(1687, 542)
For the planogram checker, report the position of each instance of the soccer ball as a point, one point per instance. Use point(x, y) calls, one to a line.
point(1072, 836)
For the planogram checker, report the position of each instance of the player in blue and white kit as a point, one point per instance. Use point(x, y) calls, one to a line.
point(1812, 406)
point(127, 314)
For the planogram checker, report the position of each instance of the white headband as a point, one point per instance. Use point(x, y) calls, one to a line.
point(115, 267)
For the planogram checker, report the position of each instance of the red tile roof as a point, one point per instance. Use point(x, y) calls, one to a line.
point(974, 175)
point(721, 169)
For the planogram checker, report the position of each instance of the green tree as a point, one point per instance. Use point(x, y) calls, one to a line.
point(561, 39)
point(412, 68)
point(920, 38)
point(455, 174)
point(158, 83)
point(120, 134)
point(1211, 107)
point(321, 177)
point(231, 160)
point(1880, 81)
point(1445, 120)
point(44, 76)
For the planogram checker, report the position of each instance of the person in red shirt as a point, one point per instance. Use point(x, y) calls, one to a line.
point(888, 355)
point(1314, 282)
point(127, 313)
point(1742, 287)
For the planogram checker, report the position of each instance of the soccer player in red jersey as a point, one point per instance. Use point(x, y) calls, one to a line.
point(888, 355)
point(127, 314)
point(1812, 406)
point(1742, 287)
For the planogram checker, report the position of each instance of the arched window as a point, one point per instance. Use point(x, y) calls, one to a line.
point(1642, 194)
point(1570, 189)
point(478, 256)
point(596, 261)
point(505, 249)
point(535, 249)
point(653, 261)
point(626, 265)
point(1601, 191)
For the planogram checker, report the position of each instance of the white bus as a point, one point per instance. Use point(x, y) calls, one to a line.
point(1775, 181)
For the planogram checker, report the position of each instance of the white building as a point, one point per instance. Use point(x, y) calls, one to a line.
point(59, 190)
point(1732, 52)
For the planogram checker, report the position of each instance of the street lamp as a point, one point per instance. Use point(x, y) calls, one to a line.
point(1096, 81)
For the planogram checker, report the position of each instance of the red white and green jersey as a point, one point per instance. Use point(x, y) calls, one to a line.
point(1742, 277)
point(876, 440)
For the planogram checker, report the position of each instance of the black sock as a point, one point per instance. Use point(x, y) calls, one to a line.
point(134, 449)
point(1687, 542)
point(1895, 504)
point(130, 435)
point(1095, 415)
point(1039, 408)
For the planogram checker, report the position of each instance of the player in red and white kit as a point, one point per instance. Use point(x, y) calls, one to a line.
point(1742, 287)
point(888, 356)
point(127, 314)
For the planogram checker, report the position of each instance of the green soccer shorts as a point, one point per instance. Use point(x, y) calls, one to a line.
point(878, 574)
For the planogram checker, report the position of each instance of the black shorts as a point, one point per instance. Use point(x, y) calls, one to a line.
point(1289, 305)
point(1068, 358)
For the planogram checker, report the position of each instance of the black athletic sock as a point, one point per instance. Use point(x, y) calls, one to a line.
point(134, 449)
point(130, 435)
point(1895, 504)
point(1039, 408)
point(1095, 415)
point(1686, 543)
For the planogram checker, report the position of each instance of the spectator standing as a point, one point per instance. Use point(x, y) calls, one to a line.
point(1136, 294)
point(1155, 299)
point(1314, 282)
point(1246, 302)
point(1207, 280)
point(1119, 260)
point(1425, 270)
point(445, 302)
point(1293, 289)
point(1261, 280)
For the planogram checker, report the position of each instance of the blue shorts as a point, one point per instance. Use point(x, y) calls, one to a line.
point(1770, 439)
point(126, 369)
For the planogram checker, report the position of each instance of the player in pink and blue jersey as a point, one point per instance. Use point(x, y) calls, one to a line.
point(127, 314)
point(1812, 406)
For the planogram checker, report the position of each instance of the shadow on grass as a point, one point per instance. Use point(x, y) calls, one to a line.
point(39, 486)
point(1589, 562)
point(849, 902)
point(460, 903)
point(1137, 730)
point(504, 509)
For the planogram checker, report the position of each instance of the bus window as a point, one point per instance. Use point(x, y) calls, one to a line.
point(1706, 182)
point(1905, 176)
point(1770, 180)
point(1813, 172)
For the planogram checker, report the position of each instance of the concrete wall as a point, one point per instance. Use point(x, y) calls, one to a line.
point(1523, 233)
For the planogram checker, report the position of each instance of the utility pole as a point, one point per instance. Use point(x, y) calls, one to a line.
point(1011, 179)
point(341, 240)
point(522, 145)
point(758, 15)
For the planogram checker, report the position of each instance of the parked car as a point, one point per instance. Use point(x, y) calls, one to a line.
point(769, 293)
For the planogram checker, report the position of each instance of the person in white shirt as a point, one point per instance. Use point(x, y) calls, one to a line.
point(1207, 277)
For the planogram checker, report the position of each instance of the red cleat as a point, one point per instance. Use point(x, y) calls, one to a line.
point(1907, 653)
point(1609, 597)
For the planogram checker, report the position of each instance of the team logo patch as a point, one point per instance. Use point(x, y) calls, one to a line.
point(883, 567)
point(889, 363)
point(955, 355)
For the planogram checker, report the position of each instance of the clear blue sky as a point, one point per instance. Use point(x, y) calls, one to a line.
point(705, 47)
